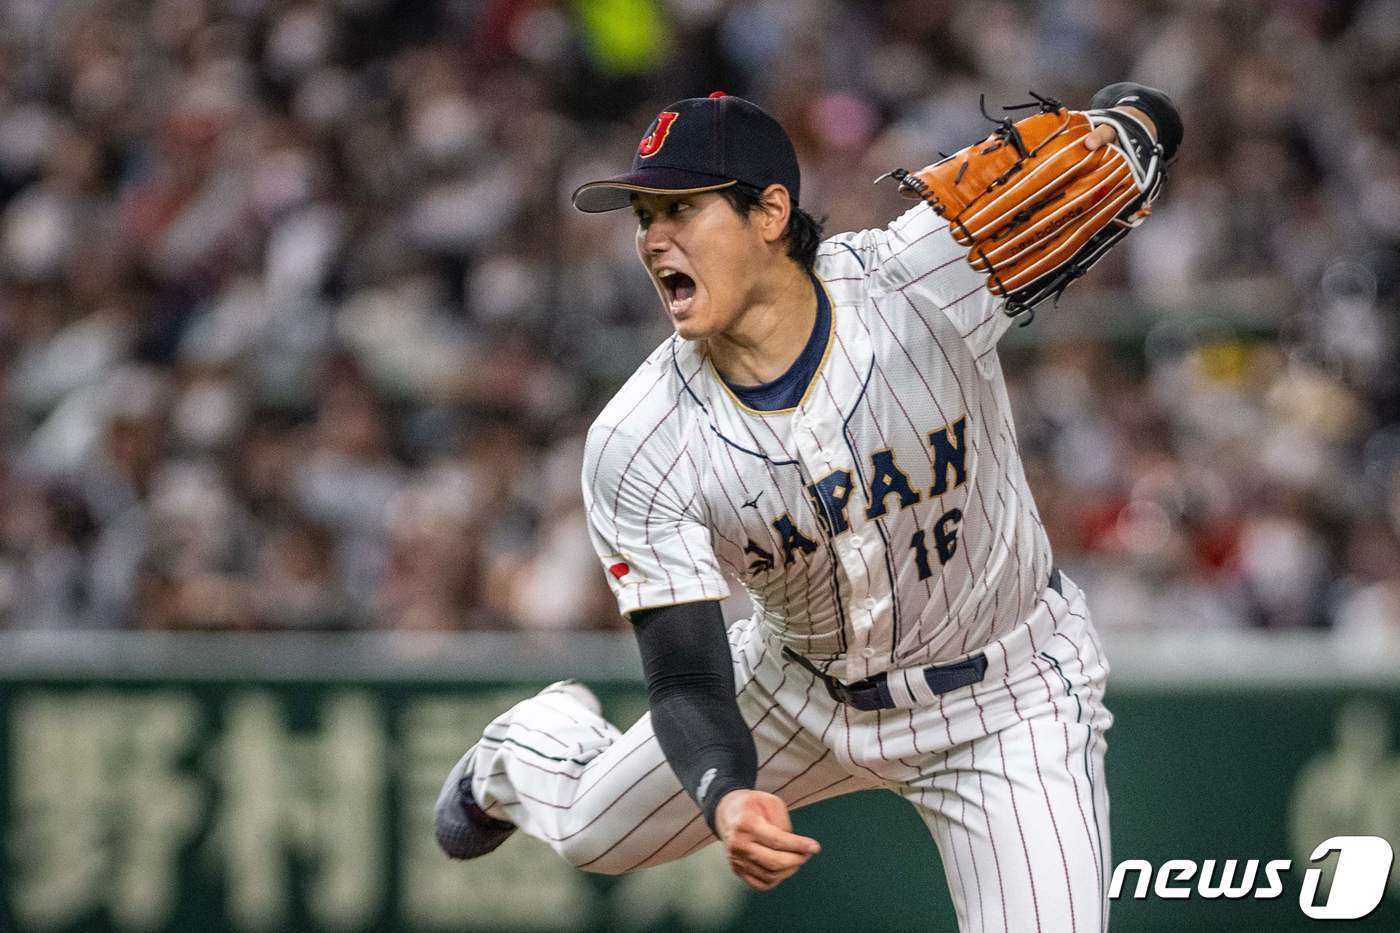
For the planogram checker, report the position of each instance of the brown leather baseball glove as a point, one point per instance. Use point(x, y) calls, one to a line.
point(1034, 207)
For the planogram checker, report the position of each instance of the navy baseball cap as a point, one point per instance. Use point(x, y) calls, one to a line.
point(701, 144)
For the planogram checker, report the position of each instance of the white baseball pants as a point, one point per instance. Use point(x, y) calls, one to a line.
point(1008, 774)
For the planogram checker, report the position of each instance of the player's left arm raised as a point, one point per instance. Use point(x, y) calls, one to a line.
point(1038, 202)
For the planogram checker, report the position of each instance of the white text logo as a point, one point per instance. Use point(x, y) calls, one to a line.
point(1359, 878)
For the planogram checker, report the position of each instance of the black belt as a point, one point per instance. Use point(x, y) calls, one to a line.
point(873, 693)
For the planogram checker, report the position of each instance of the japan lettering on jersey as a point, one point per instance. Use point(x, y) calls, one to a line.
point(882, 523)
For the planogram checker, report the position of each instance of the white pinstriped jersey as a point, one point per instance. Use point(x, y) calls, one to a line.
point(882, 523)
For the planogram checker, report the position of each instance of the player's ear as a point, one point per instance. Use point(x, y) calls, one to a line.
point(774, 209)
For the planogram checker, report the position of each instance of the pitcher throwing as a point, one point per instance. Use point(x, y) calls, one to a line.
point(829, 425)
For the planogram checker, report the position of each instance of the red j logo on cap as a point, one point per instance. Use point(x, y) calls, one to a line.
point(651, 145)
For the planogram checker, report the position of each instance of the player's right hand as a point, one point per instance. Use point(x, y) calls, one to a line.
point(757, 834)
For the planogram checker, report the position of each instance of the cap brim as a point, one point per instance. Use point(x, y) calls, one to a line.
point(615, 193)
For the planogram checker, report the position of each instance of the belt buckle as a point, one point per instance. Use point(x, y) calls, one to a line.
point(834, 688)
point(842, 693)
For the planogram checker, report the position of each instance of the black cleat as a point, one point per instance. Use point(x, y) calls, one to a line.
point(463, 829)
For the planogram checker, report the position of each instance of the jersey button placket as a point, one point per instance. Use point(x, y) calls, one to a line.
point(813, 449)
point(863, 549)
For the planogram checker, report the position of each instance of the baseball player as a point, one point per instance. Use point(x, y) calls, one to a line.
point(830, 426)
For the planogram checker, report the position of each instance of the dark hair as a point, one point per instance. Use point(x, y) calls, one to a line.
point(804, 232)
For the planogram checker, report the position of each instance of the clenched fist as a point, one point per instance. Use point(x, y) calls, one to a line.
point(757, 834)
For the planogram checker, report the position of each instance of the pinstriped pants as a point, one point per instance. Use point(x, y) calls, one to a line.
point(1008, 774)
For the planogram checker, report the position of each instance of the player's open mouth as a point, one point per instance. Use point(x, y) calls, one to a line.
point(680, 290)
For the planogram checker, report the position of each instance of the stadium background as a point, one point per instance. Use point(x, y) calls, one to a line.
point(299, 338)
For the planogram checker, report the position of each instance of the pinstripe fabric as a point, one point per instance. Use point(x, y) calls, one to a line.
point(1007, 774)
point(881, 525)
point(684, 485)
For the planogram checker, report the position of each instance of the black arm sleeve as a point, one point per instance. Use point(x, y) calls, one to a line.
point(690, 689)
point(1150, 101)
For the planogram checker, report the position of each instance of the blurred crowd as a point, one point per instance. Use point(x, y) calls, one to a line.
point(297, 329)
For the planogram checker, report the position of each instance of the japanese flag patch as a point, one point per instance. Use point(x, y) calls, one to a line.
point(622, 570)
